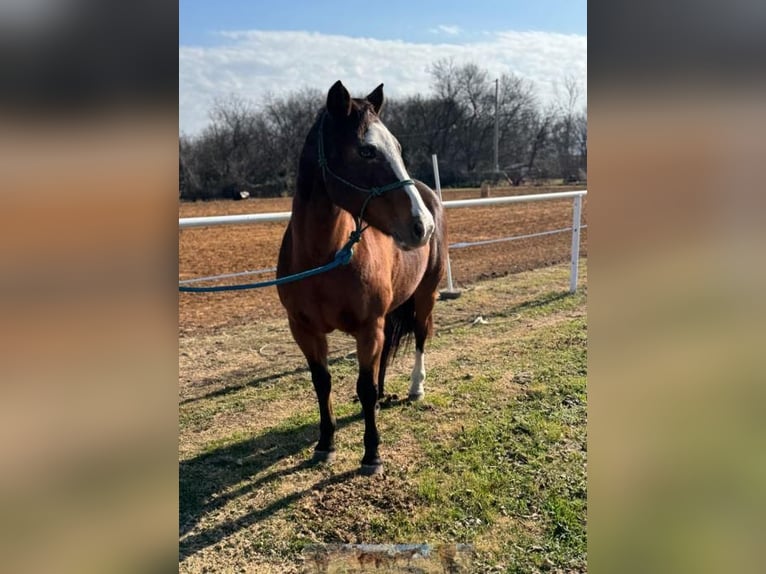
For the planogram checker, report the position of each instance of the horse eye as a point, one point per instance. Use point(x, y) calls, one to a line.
point(367, 151)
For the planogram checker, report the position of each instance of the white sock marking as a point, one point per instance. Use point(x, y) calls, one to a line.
point(418, 374)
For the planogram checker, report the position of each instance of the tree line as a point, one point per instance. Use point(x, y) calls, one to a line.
point(256, 149)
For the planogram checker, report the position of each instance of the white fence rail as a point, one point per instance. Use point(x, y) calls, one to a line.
point(575, 196)
point(186, 222)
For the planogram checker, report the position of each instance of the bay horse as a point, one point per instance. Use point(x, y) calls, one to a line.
point(352, 179)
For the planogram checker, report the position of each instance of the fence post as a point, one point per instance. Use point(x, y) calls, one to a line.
point(450, 293)
point(576, 212)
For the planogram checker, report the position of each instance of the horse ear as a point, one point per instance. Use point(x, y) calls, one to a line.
point(376, 98)
point(338, 100)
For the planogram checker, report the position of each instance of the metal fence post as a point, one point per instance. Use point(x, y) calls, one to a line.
point(450, 293)
point(576, 214)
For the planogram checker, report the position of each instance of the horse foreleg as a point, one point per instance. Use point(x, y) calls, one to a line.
point(325, 448)
point(314, 348)
point(369, 347)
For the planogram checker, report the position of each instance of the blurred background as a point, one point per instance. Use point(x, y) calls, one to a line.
point(676, 317)
point(88, 361)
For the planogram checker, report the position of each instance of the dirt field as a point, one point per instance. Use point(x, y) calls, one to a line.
point(230, 249)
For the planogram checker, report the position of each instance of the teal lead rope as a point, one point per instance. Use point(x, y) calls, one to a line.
point(343, 256)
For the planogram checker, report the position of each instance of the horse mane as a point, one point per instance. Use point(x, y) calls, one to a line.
point(308, 160)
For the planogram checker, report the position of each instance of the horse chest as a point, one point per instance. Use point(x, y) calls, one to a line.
point(345, 306)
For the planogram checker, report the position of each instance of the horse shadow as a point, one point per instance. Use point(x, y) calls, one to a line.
point(253, 382)
point(197, 542)
point(206, 479)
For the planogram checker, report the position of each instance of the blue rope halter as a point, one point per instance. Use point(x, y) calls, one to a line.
point(343, 256)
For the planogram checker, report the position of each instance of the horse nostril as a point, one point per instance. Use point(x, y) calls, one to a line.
point(418, 229)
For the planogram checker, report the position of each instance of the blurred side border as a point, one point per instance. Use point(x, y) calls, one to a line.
point(88, 366)
point(676, 315)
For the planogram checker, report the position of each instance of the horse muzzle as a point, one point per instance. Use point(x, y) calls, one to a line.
point(417, 234)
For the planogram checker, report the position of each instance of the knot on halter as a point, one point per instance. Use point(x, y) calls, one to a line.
point(343, 256)
point(354, 237)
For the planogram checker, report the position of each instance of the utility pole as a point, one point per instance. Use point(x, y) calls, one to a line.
point(497, 165)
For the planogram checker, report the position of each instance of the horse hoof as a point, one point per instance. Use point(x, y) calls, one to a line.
point(370, 469)
point(325, 456)
point(388, 401)
point(416, 397)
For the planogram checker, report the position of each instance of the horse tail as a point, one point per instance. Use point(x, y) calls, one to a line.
point(399, 328)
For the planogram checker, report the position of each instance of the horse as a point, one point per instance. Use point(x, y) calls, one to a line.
point(352, 185)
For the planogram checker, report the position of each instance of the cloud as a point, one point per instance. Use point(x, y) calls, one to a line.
point(254, 64)
point(444, 29)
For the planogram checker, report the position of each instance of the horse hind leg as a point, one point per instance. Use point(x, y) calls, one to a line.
point(418, 377)
point(424, 304)
point(387, 334)
point(399, 324)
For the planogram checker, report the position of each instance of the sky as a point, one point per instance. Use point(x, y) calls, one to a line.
point(257, 48)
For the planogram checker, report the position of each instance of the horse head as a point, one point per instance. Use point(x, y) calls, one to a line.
point(364, 171)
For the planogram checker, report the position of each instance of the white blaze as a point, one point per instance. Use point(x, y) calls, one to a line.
point(384, 142)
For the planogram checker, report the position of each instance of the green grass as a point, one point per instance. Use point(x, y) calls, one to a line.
point(524, 459)
point(494, 457)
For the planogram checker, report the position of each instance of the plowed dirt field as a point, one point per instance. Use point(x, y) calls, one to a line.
point(207, 251)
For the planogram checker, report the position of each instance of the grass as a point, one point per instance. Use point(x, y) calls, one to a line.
point(494, 457)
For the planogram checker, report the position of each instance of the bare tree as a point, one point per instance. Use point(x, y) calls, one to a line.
point(581, 141)
point(256, 147)
point(467, 93)
point(522, 129)
point(565, 130)
point(289, 120)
